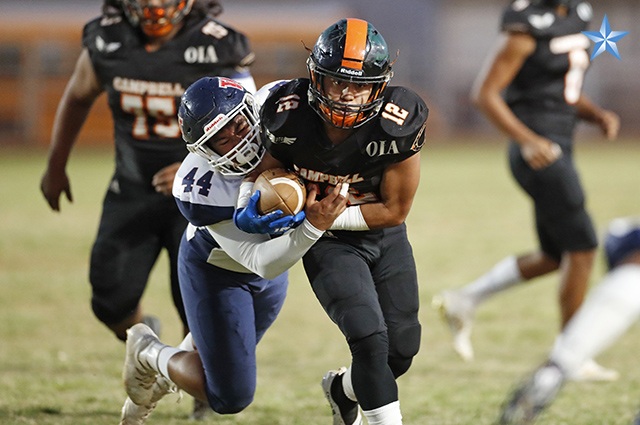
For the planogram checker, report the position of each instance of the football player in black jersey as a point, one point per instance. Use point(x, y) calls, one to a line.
point(344, 123)
point(540, 62)
point(143, 54)
point(610, 309)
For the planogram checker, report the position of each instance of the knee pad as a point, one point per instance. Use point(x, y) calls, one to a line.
point(404, 345)
point(399, 366)
point(358, 322)
point(371, 349)
point(404, 341)
point(109, 310)
point(231, 405)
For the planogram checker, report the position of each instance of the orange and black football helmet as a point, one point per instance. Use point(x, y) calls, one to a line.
point(156, 18)
point(350, 50)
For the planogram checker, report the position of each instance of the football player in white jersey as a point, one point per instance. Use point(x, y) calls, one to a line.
point(233, 283)
point(609, 310)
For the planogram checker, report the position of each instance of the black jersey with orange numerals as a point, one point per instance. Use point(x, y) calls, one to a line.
point(550, 80)
point(144, 88)
point(294, 135)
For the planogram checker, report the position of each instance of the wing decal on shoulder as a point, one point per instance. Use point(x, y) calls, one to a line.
point(418, 142)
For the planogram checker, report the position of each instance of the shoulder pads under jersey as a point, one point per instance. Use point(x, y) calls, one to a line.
point(108, 34)
point(521, 16)
point(283, 98)
point(263, 93)
point(403, 112)
point(542, 22)
point(232, 47)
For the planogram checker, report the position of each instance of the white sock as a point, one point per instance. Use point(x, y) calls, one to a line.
point(164, 355)
point(347, 385)
point(386, 415)
point(502, 276)
point(609, 310)
point(187, 343)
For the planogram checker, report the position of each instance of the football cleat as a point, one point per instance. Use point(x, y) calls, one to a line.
point(533, 396)
point(457, 312)
point(590, 371)
point(138, 375)
point(154, 323)
point(200, 411)
point(133, 414)
point(347, 413)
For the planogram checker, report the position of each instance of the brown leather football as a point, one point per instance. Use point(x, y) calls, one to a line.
point(280, 189)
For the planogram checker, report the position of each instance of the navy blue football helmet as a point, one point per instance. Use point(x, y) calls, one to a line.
point(205, 108)
point(350, 50)
point(623, 238)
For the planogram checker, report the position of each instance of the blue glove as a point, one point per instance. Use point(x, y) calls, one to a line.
point(249, 219)
point(284, 224)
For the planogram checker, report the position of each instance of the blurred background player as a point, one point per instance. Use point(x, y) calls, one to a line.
point(541, 64)
point(609, 310)
point(345, 124)
point(136, 53)
point(233, 283)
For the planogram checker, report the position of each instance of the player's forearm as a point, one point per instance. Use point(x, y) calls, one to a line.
point(379, 215)
point(277, 255)
point(369, 216)
point(499, 113)
point(588, 111)
point(69, 120)
point(267, 258)
point(397, 191)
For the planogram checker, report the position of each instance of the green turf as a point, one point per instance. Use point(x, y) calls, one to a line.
point(59, 365)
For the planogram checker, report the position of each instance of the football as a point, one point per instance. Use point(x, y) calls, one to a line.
point(280, 189)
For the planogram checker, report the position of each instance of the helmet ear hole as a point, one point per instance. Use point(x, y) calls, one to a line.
point(353, 51)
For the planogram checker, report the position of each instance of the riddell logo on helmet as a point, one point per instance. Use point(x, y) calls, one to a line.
point(353, 72)
point(214, 123)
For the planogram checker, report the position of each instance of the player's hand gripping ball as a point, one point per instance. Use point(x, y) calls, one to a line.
point(282, 190)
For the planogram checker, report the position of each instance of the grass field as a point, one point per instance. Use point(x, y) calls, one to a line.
point(59, 365)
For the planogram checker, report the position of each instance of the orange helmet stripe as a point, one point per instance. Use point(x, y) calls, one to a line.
point(355, 44)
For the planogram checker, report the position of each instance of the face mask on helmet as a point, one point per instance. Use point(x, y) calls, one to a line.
point(205, 108)
point(349, 51)
point(156, 18)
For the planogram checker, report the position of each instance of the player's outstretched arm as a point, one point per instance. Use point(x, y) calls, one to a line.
point(270, 257)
